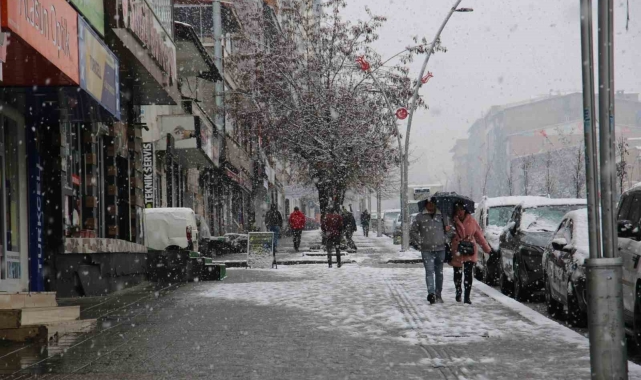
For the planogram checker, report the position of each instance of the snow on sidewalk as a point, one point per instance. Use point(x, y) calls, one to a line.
point(496, 337)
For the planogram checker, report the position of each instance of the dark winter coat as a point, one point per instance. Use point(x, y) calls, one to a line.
point(365, 218)
point(349, 223)
point(332, 226)
point(429, 231)
point(297, 220)
point(273, 218)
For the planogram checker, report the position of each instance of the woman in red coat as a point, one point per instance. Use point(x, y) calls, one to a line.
point(467, 229)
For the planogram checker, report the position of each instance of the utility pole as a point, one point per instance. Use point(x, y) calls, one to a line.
point(406, 163)
point(379, 221)
point(608, 354)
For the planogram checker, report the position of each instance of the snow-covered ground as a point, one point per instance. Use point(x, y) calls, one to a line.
point(491, 338)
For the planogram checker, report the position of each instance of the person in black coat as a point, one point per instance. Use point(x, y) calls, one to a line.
point(350, 227)
point(274, 222)
point(365, 218)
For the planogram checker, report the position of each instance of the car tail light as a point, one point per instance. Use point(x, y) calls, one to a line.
point(189, 234)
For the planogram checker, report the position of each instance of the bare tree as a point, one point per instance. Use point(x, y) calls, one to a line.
point(578, 170)
point(549, 177)
point(486, 175)
point(312, 105)
point(510, 179)
point(622, 165)
point(526, 165)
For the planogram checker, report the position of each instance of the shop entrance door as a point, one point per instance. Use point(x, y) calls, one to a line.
point(10, 201)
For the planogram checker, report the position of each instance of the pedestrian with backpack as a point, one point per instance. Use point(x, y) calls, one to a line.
point(431, 229)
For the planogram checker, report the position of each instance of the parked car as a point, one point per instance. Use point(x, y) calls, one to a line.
point(563, 270)
point(492, 215)
point(389, 219)
point(173, 228)
point(629, 244)
point(373, 221)
point(398, 232)
point(528, 232)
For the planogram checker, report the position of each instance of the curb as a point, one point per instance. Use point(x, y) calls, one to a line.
point(404, 261)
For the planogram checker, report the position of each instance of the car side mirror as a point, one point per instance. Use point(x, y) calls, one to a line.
point(625, 228)
point(558, 244)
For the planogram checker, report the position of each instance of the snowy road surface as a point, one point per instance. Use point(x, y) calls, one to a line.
point(363, 321)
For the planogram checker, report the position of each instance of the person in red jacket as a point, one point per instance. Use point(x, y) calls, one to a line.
point(332, 226)
point(297, 224)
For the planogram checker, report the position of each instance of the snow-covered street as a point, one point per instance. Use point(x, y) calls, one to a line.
point(364, 320)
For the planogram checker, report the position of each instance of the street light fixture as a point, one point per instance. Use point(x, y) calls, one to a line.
point(464, 10)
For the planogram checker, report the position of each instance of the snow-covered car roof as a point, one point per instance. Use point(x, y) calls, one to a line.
point(540, 202)
point(392, 210)
point(509, 201)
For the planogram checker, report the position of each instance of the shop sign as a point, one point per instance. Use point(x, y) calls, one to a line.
point(185, 129)
point(148, 173)
point(94, 12)
point(98, 69)
point(50, 27)
point(206, 142)
point(260, 250)
point(139, 18)
point(36, 213)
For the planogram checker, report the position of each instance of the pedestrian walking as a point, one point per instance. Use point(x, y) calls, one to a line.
point(465, 250)
point(297, 225)
point(431, 230)
point(274, 222)
point(332, 227)
point(365, 218)
point(349, 225)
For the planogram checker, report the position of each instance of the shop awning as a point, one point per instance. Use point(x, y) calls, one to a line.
point(192, 59)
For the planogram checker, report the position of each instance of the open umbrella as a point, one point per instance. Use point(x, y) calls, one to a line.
point(445, 202)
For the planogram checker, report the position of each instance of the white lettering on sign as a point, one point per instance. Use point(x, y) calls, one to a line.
point(148, 173)
point(46, 21)
point(141, 20)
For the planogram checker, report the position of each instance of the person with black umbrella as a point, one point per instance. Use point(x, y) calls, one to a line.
point(431, 229)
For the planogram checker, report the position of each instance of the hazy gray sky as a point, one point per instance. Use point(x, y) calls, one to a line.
point(503, 52)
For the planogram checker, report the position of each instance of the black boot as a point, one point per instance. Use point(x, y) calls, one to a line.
point(458, 294)
point(467, 295)
point(431, 298)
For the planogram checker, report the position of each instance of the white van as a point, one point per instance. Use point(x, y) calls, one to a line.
point(172, 228)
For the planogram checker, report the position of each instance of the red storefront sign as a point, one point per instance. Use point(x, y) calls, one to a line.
point(48, 28)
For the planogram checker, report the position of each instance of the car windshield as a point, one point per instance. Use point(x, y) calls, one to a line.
point(499, 216)
point(392, 215)
point(545, 218)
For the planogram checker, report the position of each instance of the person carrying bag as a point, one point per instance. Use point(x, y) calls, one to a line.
point(465, 250)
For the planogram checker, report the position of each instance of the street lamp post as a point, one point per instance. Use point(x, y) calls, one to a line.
point(419, 83)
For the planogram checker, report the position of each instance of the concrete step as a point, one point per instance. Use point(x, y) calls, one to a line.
point(27, 300)
point(49, 332)
point(15, 318)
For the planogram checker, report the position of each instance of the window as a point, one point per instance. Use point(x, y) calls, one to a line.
point(499, 216)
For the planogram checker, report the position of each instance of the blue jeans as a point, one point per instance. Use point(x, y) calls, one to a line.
point(276, 231)
point(433, 262)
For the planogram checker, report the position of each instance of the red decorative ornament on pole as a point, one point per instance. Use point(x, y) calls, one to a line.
point(426, 78)
point(363, 63)
point(402, 113)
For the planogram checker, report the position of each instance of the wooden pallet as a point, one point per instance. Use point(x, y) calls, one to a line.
point(48, 332)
